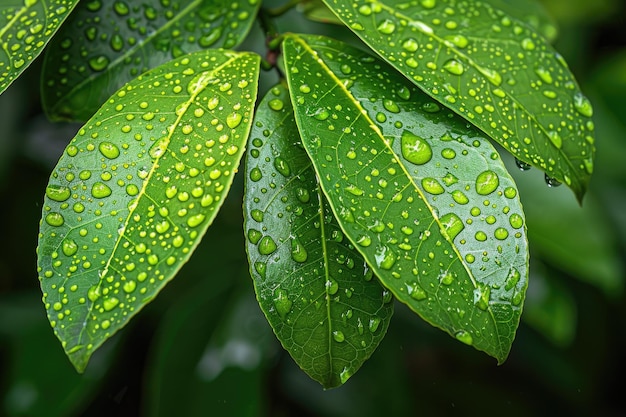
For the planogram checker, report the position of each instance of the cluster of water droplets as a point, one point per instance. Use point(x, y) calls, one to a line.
point(26, 29)
point(305, 269)
point(409, 190)
point(136, 187)
point(127, 38)
point(502, 76)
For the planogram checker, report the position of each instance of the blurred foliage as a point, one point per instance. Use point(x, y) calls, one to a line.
point(191, 350)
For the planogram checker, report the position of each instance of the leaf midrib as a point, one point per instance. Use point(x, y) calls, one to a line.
point(142, 192)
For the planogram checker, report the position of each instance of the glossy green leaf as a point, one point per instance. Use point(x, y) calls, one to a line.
point(108, 43)
point(26, 26)
point(530, 12)
point(491, 69)
point(137, 188)
point(313, 286)
point(423, 196)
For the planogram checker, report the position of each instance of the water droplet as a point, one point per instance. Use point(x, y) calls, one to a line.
point(298, 252)
point(583, 105)
point(374, 324)
point(432, 186)
point(481, 296)
point(332, 286)
point(344, 375)
point(282, 166)
point(109, 150)
point(386, 27)
point(516, 221)
point(493, 76)
point(211, 37)
point(282, 303)
point(523, 166)
point(195, 220)
point(551, 182)
point(415, 291)
point(410, 45)
point(233, 120)
point(99, 63)
point(100, 190)
point(338, 336)
point(267, 246)
point(69, 247)
point(415, 149)
point(452, 224)
point(501, 233)
point(58, 193)
point(464, 337)
point(459, 41)
point(454, 67)
point(276, 104)
point(321, 114)
point(255, 174)
point(110, 303)
point(391, 106)
point(487, 182)
point(556, 139)
point(385, 257)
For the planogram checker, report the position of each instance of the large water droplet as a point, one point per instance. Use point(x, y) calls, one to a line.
point(109, 150)
point(452, 224)
point(100, 190)
point(464, 337)
point(69, 247)
point(298, 252)
point(99, 63)
point(583, 105)
point(386, 27)
point(233, 120)
point(58, 193)
point(267, 246)
point(454, 67)
point(487, 182)
point(415, 149)
point(282, 303)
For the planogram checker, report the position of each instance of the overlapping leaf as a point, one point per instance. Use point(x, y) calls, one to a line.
point(137, 188)
point(425, 198)
point(491, 69)
point(313, 286)
point(106, 44)
point(26, 26)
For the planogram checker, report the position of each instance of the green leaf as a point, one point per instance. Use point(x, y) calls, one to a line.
point(317, 11)
point(137, 188)
point(106, 44)
point(421, 194)
point(491, 69)
point(313, 286)
point(532, 13)
point(26, 26)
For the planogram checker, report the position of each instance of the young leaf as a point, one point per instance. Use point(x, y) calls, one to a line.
point(421, 195)
point(313, 286)
point(491, 69)
point(25, 29)
point(137, 188)
point(106, 44)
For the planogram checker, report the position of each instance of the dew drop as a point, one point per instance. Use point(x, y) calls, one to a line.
point(454, 67)
point(282, 166)
point(282, 303)
point(523, 166)
point(256, 174)
point(464, 337)
point(69, 247)
point(100, 190)
point(452, 225)
point(267, 246)
point(109, 150)
point(58, 193)
point(276, 104)
point(298, 252)
point(391, 106)
point(99, 63)
point(432, 186)
point(415, 149)
point(338, 336)
point(487, 182)
point(415, 291)
point(551, 182)
point(386, 27)
point(233, 120)
point(583, 105)
point(374, 323)
point(195, 220)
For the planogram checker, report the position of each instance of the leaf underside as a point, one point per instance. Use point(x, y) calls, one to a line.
point(316, 291)
point(106, 44)
point(493, 70)
point(26, 26)
point(136, 189)
point(422, 195)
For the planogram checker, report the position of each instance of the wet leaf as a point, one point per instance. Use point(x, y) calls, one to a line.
point(422, 195)
point(108, 43)
point(531, 12)
point(491, 69)
point(26, 26)
point(313, 286)
point(137, 188)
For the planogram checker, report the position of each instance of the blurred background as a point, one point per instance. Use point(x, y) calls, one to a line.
point(203, 346)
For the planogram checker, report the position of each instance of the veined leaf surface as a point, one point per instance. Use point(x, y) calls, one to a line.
point(530, 12)
point(314, 287)
point(491, 69)
point(106, 44)
point(423, 196)
point(26, 26)
point(137, 188)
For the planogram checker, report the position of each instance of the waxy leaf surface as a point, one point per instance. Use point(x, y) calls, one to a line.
point(493, 70)
point(26, 26)
point(108, 43)
point(137, 188)
point(315, 289)
point(425, 198)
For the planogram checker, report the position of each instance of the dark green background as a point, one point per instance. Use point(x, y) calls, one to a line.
point(203, 347)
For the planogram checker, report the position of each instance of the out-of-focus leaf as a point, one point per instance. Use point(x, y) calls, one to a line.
point(37, 380)
point(106, 44)
point(317, 11)
point(26, 26)
point(313, 286)
point(550, 307)
point(491, 69)
point(136, 190)
point(421, 194)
